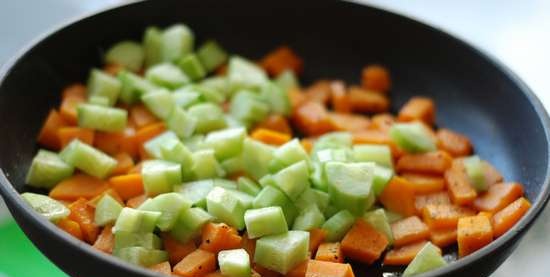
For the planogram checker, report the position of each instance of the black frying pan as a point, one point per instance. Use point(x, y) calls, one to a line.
point(474, 94)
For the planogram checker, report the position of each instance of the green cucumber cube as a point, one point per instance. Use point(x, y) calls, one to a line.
point(189, 224)
point(152, 46)
point(287, 80)
point(166, 75)
point(476, 174)
point(318, 178)
point(234, 263)
point(334, 140)
point(282, 252)
point(206, 93)
point(125, 239)
point(382, 176)
point(46, 206)
point(160, 102)
point(185, 98)
point(173, 150)
point(313, 196)
point(142, 256)
point(233, 165)
point(320, 158)
point(276, 98)
point(209, 117)
point(197, 191)
point(270, 196)
point(256, 157)
point(177, 41)
point(101, 118)
point(429, 258)
point(310, 217)
point(47, 169)
point(392, 216)
point(160, 176)
point(103, 84)
point(293, 180)
point(194, 142)
point(245, 199)
point(248, 107)
point(226, 207)
point(181, 122)
point(192, 67)
point(99, 101)
point(136, 221)
point(338, 225)
point(248, 186)
point(265, 221)
point(107, 210)
point(170, 205)
point(218, 83)
point(288, 154)
point(412, 137)
point(377, 219)
point(88, 159)
point(350, 185)
point(153, 146)
point(330, 211)
point(380, 154)
point(243, 73)
point(129, 54)
point(211, 55)
point(205, 165)
point(226, 143)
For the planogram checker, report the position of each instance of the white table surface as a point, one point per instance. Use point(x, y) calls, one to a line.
point(515, 32)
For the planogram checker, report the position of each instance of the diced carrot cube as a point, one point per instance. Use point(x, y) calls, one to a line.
point(311, 118)
point(270, 137)
point(382, 122)
point(84, 215)
point(281, 59)
point(409, 230)
point(135, 202)
point(327, 269)
point(398, 196)
point(473, 233)
point(437, 198)
point(141, 116)
point(364, 243)
point(339, 97)
point(78, 186)
point(376, 78)
point(444, 216)
point(319, 92)
point(67, 134)
point(405, 254)
point(418, 108)
point(219, 236)
point(453, 143)
point(367, 101)
point(111, 192)
point(72, 227)
point(492, 176)
point(198, 263)
point(443, 237)
point(460, 189)
point(128, 186)
point(316, 237)
point(105, 241)
point(424, 183)
point(76, 90)
point(162, 268)
point(176, 250)
point(436, 162)
point(349, 122)
point(505, 219)
point(377, 137)
point(275, 122)
point(48, 134)
point(498, 197)
point(299, 270)
point(330, 252)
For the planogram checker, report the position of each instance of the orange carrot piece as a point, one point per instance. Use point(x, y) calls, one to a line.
point(198, 263)
point(84, 215)
point(382, 122)
point(299, 270)
point(249, 245)
point(436, 163)
point(281, 59)
point(376, 77)
point(148, 132)
point(319, 92)
point(444, 216)
point(492, 176)
point(136, 169)
point(364, 243)
point(330, 252)
point(68, 109)
point(176, 250)
point(505, 219)
point(453, 143)
point(460, 189)
point(124, 164)
point(443, 237)
point(76, 90)
point(270, 137)
point(78, 186)
point(112, 68)
point(339, 97)
point(67, 134)
point(498, 197)
point(349, 122)
point(113, 143)
point(409, 230)
point(377, 137)
point(423, 183)
point(473, 233)
point(135, 202)
point(219, 236)
point(162, 268)
point(418, 108)
point(327, 269)
point(48, 134)
point(398, 196)
point(437, 198)
point(307, 143)
point(275, 122)
point(296, 97)
point(264, 272)
point(106, 240)
point(405, 254)
point(316, 237)
point(215, 274)
point(128, 186)
point(489, 215)
point(367, 101)
point(93, 202)
point(141, 116)
point(311, 118)
point(71, 227)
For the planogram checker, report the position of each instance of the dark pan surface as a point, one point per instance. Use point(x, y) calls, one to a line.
point(474, 95)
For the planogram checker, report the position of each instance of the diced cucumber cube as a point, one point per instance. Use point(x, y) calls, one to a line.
point(265, 221)
point(380, 154)
point(318, 178)
point(350, 185)
point(243, 73)
point(194, 142)
point(99, 101)
point(153, 146)
point(166, 75)
point(152, 46)
point(217, 83)
point(379, 221)
point(211, 55)
point(103, 84)
point(107, 210)
point(270, 196)
point(429, 258)
point(226, 143)
point(125, 239)
point(245, 199)
point(101, 118)
point(173, 150)
point(209, 117)
point(88, 159)
point(248, 186)
point(233, 164)
point(330, 211)
point(276, 98)
point(320, 158)
point(248, 107)
point(206, 93)
point(170, 205)
point(129, 54)
point(181, 122)
point(196, 191)
point(47, 169)
point(177, 41)
point(288, 154)
point(160, 176)
point(333, 140)
point(225, 206)
point(412, 137)
point(476, 174)
point(136, 221)
point(192, 67)
point(46, 206)
point(133, 87)
point(293, 180)
point(282, 252)
point(205, 165)
point(267, 180)
point(287, 80)
point(392, 216)
point(189, 224)
point(313, 196)
point(256, 157)
point(310, 217)
point(185, 98)
point(382, 176)
point(338, 225)
point(160, 102)
point(141, 256)
point(234, 263)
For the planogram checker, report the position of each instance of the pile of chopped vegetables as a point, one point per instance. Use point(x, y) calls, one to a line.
point(192, 162)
